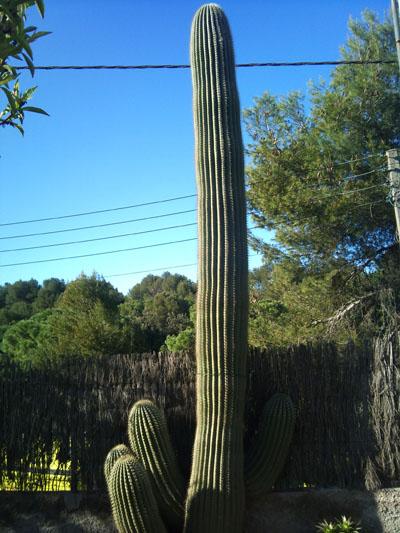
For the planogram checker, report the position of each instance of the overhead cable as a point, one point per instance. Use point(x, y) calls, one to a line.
point(376, 154)
point(345, 178)
point(97, 253)
point(187, 66)
point(149, 270)
point(165, 200)
point(97, 238)
point(103, 253)
point(141, 247)
point(352, 191)
point(119, 235)
point(79, 228)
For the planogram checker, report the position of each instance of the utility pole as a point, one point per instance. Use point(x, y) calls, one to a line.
point(393, 156)
point(396, 25)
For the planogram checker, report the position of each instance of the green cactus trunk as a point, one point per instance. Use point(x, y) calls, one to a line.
point(113, 455)
point(268, 455)
point(215, 501)
point(149, 488)
point(150, 441)
point(133, 504)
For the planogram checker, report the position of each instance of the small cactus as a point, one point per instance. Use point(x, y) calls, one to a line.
point(269, 453)
point(149, 440)
point(132, 500)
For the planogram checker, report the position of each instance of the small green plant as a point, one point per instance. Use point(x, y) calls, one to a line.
point(342, 525)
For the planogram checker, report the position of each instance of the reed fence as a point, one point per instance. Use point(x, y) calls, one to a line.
point(58, 423)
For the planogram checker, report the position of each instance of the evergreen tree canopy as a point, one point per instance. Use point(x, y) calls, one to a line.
point(156, 307)
point(318, 178)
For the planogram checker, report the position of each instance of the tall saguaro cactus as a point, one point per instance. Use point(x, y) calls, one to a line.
point(147, 487)
point(215, 499)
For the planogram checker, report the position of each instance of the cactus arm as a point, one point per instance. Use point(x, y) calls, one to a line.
point(270, 449)
point(133, 504)
point(115, 453)
point(215, 501)
point(150, 441)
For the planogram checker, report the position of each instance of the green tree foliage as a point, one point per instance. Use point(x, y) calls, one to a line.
point(156, 307)
point(81, 318)
point(334, 230)
point(88, 316)
point(86, 319)
point(15, 45)
point(20, 300)
point(48, 294)
point(185, 339)
point(28, 341)
point(16, 301)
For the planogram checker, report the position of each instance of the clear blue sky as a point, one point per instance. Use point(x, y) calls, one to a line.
point(117, 138)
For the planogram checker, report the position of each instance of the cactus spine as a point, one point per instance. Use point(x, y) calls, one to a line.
point(133, 504)
point(269, 453)
point(215, 501)
point(149, 440)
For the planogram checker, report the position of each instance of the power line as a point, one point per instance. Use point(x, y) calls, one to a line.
point(165, 200)
point(348, 161)
point(97, 238)
point(165, 268)
point(104, 253)
point(352, 191)
point(120, 235)
point(149, 270)
point(107, 224)
point(345, 178)
point(99, 211)
point(376, 154)
point(370, 204)
point(305, 219)
point(135, 248)
point(79, 228)
point(186, 66)
point(98, 253)
point(353, 176)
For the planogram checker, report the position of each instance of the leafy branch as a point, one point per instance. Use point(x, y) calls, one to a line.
point(15, 44)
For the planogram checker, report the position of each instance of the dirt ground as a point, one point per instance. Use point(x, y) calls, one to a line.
point(280, 512)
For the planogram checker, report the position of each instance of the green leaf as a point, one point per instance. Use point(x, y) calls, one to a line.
point(35, 110)
point(28, 93)
point(24, 44)
point(11, 98)
point(40, 6)
point(4, 79)
point(37, 35)
point(19, 128)
point(29, 63)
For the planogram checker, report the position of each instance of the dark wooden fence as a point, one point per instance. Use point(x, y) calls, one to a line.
point(347, 399)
